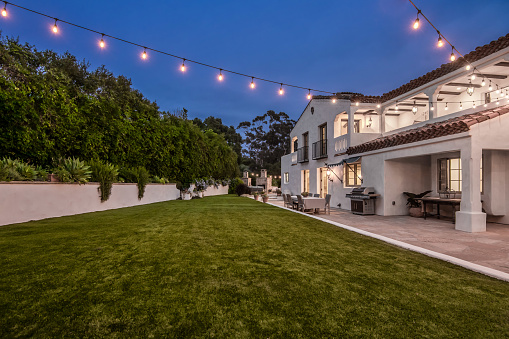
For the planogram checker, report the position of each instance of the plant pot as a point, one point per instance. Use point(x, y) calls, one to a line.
point(416, 212)
point(265, 199)
point(256, 197)
point(186, 195)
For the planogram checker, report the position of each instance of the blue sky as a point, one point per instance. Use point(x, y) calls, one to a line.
point(365, 46)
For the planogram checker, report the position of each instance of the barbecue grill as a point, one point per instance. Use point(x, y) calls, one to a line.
point(363, 200)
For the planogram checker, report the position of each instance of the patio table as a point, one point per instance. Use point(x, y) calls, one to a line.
point(313, 203)
point(440, 201)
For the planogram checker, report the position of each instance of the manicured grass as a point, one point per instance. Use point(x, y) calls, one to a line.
point(230, 267)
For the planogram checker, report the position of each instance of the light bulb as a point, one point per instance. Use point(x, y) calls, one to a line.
point(101, 43)
point(144, 55)
point(440, 42)
point(473, 104)
point(414, 108)
point(472, 77)
point(183, 67)
point(4, 10)
point(485, 105)
point(55, 28)
point(491, 87)
point(333, 100)
point(252, 83)
point(498, 90)
point(453, 57)
point(309, 94)
point(357, 103)
point(432, 108)
point(461, 106)
point(446, 108)
point(483, 83)
point(220, 76)
point(416, 23)
point(281, 90)
point(378, 106)
point(397, 107)
point(467, 67)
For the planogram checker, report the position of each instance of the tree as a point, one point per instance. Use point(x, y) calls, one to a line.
point(267, 139)
point(233, 139)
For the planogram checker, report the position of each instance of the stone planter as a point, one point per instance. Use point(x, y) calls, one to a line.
point(186, 195)
point(256, 197)
point(416, 212)
point(265, 199)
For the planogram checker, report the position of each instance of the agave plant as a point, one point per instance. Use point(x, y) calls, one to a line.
point(73, 170)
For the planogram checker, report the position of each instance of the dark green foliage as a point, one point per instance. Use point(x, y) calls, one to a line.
point(242, 189)
point(105, 174)
point(53, 106)
point(73, 170)
point(411, 202)
point(267, 139)
point(232, 188)
point(139, 175)
point(229, 267)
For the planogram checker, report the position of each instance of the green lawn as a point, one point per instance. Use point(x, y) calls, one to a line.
point(230, 267)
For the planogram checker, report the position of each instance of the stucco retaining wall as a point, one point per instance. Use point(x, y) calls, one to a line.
point(25, 201)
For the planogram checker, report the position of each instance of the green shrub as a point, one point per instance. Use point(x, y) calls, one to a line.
point(105, 174)
point(233, 185)
point(42, 174)
point(73, 170)
point(241, 189)
point(158, 180)
point(17, 170)
point(139, 175)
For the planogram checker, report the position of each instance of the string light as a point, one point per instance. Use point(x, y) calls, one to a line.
point(453, 57)
point(4, 10)
point(55, 28)
point(144, 54)
point(333, 100)
point(309, 94)
point(490, 88)
point(281, 92)
point(414, 108)
point(483, 83)
point(498, 90)
point(470, 88)
point(473, 76)
point(416, 22)
point(357, 103)
point(101, 43)
point(378, 106)
point(446, 108)
point(461, 106)
point(252, 83)
point(473, 104)
point(220, 76)
point(467, 67)
point(440, 42)
point(183, 67)
point(397, 108)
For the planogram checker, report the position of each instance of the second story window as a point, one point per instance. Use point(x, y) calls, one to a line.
point(344, 126)
point(295, 145)
point(320, 147)
point(302, 152)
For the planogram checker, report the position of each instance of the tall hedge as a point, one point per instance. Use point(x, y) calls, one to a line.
point(52, 106)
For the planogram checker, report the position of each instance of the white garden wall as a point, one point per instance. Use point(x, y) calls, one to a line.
point(25, 201)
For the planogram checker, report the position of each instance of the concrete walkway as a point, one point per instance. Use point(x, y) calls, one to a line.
point(489, 249)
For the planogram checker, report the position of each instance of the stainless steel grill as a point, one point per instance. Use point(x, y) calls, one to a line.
point(363, 200)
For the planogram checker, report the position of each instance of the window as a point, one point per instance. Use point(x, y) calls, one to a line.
point(295, 145)
point(286, 178)
point(305, 183)
point(449, 174)
point(353, 174)
point(344, 126)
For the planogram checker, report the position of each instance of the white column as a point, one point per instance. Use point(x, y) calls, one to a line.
point(382, 112)
point(432, 93)
point(471, 218)
point(351, 117)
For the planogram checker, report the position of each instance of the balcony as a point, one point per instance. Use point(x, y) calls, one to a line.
point(320, 149)
point(342, 143)
point(303, 154)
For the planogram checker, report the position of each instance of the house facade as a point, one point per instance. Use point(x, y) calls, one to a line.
point(447, 131)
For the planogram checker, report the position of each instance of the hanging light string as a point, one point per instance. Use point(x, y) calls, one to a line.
point(441, 37)
point(145, 49)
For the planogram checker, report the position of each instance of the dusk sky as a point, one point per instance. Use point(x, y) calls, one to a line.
point(363, 46)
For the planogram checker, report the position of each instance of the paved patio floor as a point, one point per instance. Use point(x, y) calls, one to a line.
point(490, 248)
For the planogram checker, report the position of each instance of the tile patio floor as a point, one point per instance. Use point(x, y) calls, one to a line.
point(490, 248)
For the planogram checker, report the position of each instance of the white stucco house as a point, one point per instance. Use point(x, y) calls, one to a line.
point(446, 130)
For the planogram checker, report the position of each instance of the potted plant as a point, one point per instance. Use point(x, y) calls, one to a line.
point(414, 205)
point(304, 194)
point(255, 195)
point(185, 190)
point(265, 197)
point(278, 192)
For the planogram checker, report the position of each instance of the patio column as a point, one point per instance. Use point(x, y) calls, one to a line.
point(432, 93)
point(351, 120)
point(471, 218)
point(382, 112)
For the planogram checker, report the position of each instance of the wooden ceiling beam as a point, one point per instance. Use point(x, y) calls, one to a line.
point(449, 93)
point(492, 76)
point(460, 84)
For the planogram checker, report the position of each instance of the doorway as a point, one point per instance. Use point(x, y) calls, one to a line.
point(324, 182)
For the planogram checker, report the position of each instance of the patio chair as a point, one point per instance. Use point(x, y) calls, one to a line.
point(295, 204)
point(300, 203)
point(316, 195)
point(327, 202)
point(288, 200)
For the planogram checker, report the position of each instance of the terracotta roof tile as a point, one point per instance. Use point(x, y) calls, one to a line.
point(438, 129)
point(477, 54)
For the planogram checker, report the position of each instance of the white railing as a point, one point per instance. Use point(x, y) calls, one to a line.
point(341, 144)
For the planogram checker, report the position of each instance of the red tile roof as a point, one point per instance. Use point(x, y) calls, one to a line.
point(477, 54)
point(430, 131)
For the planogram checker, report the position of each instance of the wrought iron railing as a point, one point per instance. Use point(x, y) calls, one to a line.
point(303, 154)
point(320, 149)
